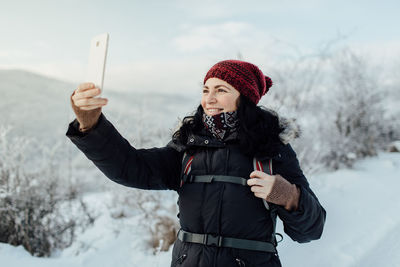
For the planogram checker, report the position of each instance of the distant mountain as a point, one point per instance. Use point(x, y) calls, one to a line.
point(32, 104)
point(39, 107)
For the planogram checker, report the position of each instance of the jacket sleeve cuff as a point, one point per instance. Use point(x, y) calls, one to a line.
point(95, 137)
point(306, 223)
point(284, 193)
point(286, 213)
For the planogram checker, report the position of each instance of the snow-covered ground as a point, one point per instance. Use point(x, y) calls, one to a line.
point(362, 227)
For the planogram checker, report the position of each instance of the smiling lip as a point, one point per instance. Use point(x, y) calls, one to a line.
point(214, 110)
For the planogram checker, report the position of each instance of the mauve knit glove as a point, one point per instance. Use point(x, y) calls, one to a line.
point(284, 193)
point(87, 118)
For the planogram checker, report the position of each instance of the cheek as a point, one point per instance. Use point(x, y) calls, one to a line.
point(229, 103)
point(202, 102)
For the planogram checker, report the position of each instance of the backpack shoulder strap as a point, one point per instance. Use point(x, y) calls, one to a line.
point(266, 166)
point(186, 166)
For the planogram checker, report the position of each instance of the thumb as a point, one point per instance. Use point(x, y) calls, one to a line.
point(255, 174)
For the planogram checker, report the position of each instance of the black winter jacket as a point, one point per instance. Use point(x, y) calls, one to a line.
point(217, 208)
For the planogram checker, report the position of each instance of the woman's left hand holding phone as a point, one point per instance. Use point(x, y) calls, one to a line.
point(86, 106)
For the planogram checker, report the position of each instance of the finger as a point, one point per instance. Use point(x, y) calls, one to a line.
point(84, 102)
point(87, 93)
point(261, 175)
point(257, 174)
point(256, 182)
point(253, 181)
point(85, 86)
point(256, 188)
point(91, 107)
point(260, 195)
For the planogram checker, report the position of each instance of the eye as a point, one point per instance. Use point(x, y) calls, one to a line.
point(222, 90)
point(205, 91)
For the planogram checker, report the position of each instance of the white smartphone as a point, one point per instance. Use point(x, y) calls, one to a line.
point(97, 60)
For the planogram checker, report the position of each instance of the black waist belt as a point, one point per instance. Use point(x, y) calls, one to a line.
point(213, 178)
point(220, 241)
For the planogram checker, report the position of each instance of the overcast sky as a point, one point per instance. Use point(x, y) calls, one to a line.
point(169, 45)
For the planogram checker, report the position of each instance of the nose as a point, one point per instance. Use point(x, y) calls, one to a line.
point(211, 98)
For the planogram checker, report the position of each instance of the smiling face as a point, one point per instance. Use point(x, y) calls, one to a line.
point(219, 96)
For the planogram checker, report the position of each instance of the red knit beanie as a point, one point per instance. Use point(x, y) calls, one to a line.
point(247, 78)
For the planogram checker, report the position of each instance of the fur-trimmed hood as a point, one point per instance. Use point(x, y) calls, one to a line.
point(291, 129)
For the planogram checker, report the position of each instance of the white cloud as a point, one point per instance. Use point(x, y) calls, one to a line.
point(229, 39)
point(205, 9)
point(166, 76)
point(42, 44)
point(214, 36)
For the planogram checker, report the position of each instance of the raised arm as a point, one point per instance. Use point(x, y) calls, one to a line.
point(155, 168)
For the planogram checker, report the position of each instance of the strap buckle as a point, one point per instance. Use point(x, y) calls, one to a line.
point(212, 240)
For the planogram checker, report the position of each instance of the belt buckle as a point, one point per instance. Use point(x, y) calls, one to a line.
point(212, 240)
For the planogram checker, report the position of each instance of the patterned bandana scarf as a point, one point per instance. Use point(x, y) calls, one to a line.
point(223, 126)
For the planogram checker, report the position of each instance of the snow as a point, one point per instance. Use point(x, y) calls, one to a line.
point(362, 221)
point(362, 227)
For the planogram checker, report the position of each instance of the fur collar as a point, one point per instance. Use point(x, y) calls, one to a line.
point(291, 129)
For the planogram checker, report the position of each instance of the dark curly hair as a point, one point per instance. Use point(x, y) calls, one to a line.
point(258, 131)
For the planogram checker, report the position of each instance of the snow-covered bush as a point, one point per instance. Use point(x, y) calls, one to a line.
point(340, 101)
point(38, 211)
point(155, 211)
point(355, 121)
point(143, 129)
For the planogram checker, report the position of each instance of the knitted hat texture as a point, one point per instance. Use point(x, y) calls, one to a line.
point(245, 77)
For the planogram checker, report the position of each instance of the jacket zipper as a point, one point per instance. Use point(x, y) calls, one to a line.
point(240, 262)
point(227, 161)
point(208, 162)
point(181, 259)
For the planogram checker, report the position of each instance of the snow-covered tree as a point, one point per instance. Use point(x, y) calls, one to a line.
point(38, 209)
point(355, 124)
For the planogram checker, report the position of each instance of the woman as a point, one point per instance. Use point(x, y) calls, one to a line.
point(227, 203)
